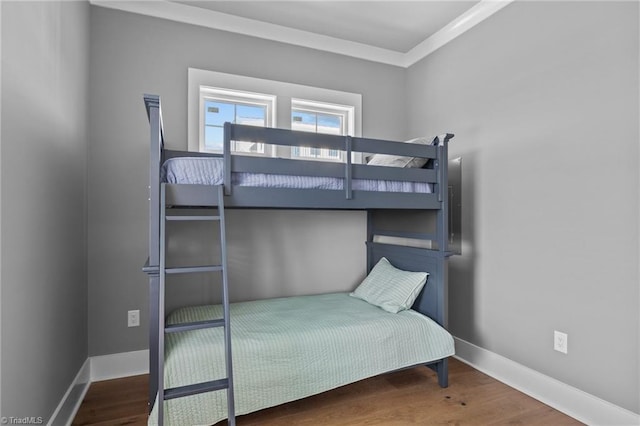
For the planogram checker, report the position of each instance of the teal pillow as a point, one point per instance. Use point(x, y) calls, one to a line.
point(390, 288)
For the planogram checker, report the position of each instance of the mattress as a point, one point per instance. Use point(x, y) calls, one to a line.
point(209, 171)
point(290, 348)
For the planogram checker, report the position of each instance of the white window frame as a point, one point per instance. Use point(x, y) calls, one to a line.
point(347, 112)
point(208, 93)
point(284, 93)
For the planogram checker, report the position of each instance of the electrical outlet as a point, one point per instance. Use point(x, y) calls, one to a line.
point(560, 341)
point(133, 318)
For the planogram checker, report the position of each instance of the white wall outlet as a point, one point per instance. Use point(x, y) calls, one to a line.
point(560, 341)
point(133, 318)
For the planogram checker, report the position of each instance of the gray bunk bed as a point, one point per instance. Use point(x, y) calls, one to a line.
point(350, 186)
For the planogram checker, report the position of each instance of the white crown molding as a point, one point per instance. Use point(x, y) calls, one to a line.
point(453, 29)
point(251, 27)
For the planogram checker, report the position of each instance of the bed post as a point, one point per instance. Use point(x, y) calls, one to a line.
point(348, 142)
point(369, 259)
point(442, 218)
point(442, 235)
point(441, 165)
point(152, 104)
point(226, 152)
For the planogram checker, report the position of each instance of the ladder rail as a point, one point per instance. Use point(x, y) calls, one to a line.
point(161, 305)
point(225, 308)
point(220, 384)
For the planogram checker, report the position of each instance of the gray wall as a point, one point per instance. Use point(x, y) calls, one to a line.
point(45, 52)
point(543, 98)
point(272, 253)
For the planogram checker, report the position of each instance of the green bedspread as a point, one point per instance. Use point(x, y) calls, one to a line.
point(290, 348)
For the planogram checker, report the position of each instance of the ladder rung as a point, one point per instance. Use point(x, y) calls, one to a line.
point(193, 269)
point(196, 325)
point(193, 218)
point(197, 388)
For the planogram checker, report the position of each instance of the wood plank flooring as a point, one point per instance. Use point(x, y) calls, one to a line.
point(115, 402)
point(409, 397)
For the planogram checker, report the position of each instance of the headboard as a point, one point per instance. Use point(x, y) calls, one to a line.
point(432, 301)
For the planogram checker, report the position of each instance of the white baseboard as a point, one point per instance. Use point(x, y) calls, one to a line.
point(70, 403)
point(578, 404)
point(115, 366)
point(95, 369)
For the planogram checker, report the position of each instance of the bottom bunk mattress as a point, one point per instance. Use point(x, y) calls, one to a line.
point(209, 171)
point(290, 348)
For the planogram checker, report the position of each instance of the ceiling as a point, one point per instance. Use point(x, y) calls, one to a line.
point(393, 25)
point(396, 32)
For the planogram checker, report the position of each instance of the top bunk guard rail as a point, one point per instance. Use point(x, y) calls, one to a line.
point(348, 144)
point(268, 135)
point(258, 197)
point(347, 169)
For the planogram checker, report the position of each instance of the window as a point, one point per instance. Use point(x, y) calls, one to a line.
point(320, 117)
point(221, 105)
point(215, 97)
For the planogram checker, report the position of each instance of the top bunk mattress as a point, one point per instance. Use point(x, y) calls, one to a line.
point(209, 171)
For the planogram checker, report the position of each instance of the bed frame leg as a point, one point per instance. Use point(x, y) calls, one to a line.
point(442, 369)
point(154, 280)
point(443, 373)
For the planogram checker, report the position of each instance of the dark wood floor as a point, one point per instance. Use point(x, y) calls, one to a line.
point(409, 397)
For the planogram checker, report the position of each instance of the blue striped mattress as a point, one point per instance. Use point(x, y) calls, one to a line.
point(209, 171)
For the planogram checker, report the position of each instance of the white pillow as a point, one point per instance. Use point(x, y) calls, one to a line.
point(390, 288)
point(389, 160)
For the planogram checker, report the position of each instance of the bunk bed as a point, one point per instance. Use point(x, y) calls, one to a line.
point(188, 179)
